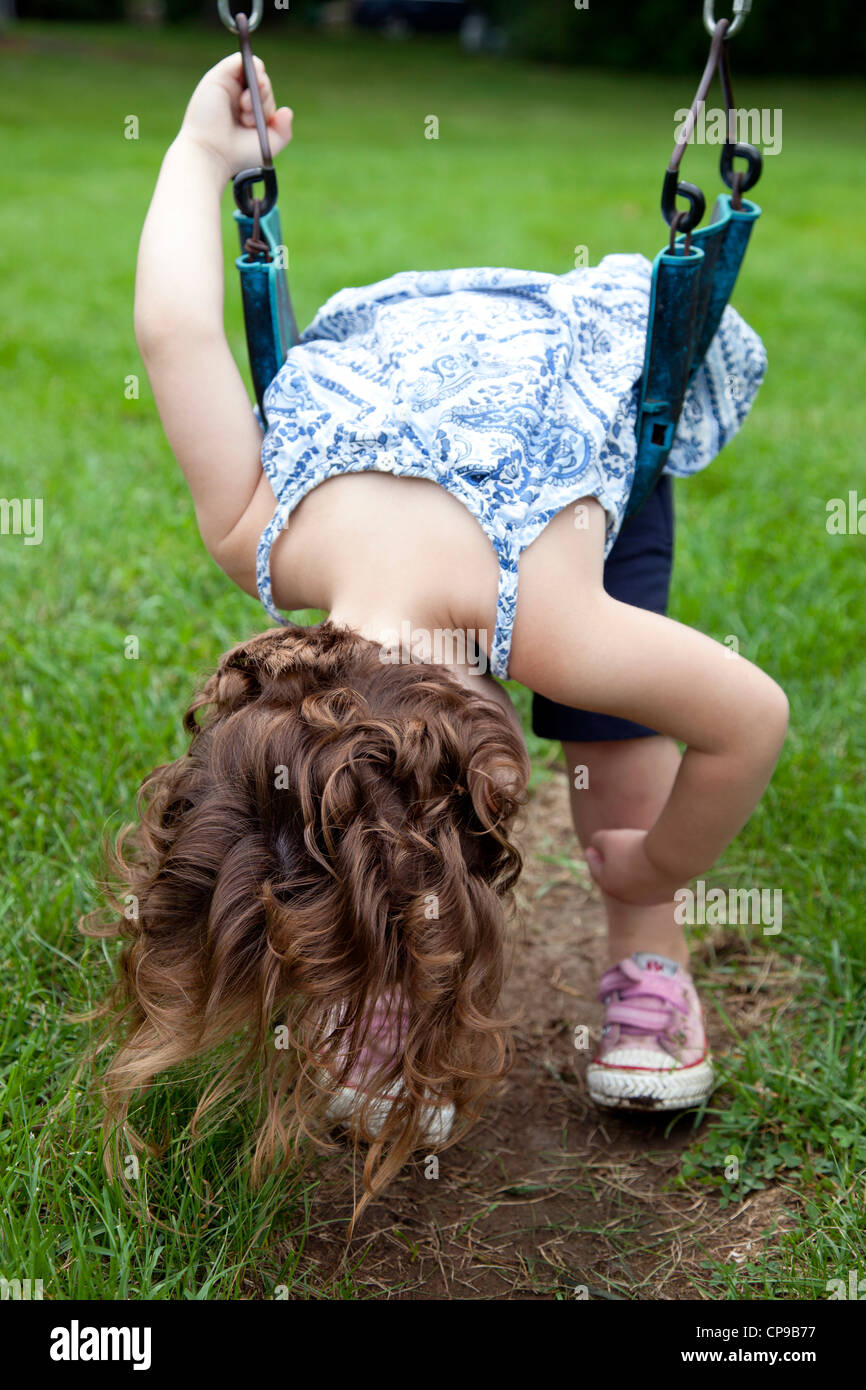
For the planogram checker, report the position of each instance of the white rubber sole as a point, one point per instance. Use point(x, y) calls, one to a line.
point(347, 1104)
point(630, 1088)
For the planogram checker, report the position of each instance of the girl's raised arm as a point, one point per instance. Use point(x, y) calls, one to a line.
point(201, 397)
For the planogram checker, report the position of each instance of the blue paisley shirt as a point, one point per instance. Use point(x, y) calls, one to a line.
point(516, 390)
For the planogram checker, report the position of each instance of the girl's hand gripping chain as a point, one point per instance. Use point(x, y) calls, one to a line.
point(219, 117)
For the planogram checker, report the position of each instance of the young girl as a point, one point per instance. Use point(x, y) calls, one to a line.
point(327, 870)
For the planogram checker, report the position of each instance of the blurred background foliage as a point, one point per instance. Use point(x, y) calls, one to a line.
point(663, 35)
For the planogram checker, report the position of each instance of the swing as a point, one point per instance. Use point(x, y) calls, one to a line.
point(692, 278)
point(269, 319)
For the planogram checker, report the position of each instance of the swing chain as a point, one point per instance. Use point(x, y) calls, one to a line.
point(255, 245)
point(741, 9)
point(739, 182)
point(229, 19)
point(243, 25)
point(680, 216)
point(673, 186)
point(251, 82)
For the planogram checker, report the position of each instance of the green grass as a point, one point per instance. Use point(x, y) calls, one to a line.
point(530, 163)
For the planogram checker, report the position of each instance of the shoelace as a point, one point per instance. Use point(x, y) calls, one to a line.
point(661, 998)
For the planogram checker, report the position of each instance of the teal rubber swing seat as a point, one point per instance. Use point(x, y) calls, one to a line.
point(268, 316)
point(689, 293)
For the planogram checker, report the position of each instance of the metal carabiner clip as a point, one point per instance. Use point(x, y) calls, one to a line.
point(753, 158)
point(253, 20)
point(671, 190)
point(242, 185)
point(741, 9)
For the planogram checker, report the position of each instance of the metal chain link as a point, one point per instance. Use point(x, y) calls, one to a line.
point(741, 9)
point(254, 19)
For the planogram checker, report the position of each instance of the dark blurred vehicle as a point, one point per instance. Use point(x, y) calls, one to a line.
point(399, 17)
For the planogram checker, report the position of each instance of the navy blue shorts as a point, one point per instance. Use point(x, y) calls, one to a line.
point(637, 571)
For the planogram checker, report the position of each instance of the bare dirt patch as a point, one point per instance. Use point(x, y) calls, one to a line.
point(549, 1196)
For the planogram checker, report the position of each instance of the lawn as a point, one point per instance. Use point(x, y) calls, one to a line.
point(530, 163)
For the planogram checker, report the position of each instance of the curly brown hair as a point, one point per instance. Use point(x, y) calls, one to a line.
point(283, 871)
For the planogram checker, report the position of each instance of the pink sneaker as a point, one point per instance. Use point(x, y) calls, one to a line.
point(653, 1053)
point(384, 1040)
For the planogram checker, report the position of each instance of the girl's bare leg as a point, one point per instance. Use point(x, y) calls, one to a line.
point(629, 781)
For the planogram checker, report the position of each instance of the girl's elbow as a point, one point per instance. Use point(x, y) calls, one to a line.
point(770, 716)
point(780, 710)
point(234, 556)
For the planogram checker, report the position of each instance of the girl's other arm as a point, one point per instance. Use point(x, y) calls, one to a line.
point(609, 656)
